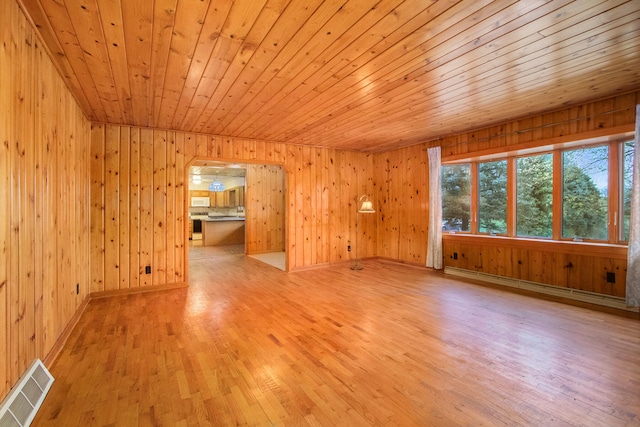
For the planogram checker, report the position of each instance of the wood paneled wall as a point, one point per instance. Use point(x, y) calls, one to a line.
point(44, 199)
point(265, 209)
point(403, 193)
point(138, 204)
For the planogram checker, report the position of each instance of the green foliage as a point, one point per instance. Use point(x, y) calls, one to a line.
point(534, 208)
point(584, 206)
point(492, 186)
point(456, 197)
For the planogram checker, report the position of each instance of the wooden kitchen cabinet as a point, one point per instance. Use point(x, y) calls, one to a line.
point(190, 229)
point(221, 200)
point(239, 196)
point(229, 198)
point(232, 197)
point(217, 199)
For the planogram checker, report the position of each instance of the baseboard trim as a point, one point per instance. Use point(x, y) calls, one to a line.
point(574, 294)
point(140, 290)
point(53, 354)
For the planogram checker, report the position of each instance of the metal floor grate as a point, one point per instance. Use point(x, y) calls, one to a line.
point(21, 404)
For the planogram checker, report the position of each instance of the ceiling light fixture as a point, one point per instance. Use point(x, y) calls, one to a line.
point(216, 186)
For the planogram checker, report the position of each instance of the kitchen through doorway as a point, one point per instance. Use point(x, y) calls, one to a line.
point(216, 211)
point(237, 210)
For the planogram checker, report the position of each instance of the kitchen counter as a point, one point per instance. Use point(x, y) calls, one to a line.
point(223, 231)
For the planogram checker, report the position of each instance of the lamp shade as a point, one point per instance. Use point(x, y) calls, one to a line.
point(366, 207)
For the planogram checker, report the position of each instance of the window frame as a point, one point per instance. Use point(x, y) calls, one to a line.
point(477, 214)
point(615, 215)
point(514, 178)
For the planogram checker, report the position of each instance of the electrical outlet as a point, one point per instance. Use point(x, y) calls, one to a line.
point(348, 248)
point(147, 269)
point(611, 277)
point(455, 255)
point(77, 288)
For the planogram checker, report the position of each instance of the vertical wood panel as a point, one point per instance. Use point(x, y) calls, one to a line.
point(159, 250)
point(43, 250)
point(25, 209)
point(97, 207)
point(124, 175)
point(64, 256)
point(146, 205)
point(180, 206)
point(134, 209)
point(111, 206)
point(298, 198)
point(171, 220)
point(344, 224)
point(324, 237)
point(6, 138)
point(306, 200)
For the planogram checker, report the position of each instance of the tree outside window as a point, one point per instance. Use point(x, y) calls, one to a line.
point(585, 175)
point(456, 197)
point(492, 194)
point(534, 198)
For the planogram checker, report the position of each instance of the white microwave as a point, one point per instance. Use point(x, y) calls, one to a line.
point(200, 202)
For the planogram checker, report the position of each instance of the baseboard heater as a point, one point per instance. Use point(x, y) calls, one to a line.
point(23, 401)
point(575, 294)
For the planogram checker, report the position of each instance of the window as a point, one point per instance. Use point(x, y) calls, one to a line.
point(456, 197)
point(492, 197)
point(534, 200)
point(585, 178)
point(579, 192)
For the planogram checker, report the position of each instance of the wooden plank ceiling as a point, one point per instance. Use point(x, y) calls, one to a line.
point(350, 74)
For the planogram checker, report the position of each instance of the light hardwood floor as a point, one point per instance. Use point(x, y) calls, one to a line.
point(247, 344)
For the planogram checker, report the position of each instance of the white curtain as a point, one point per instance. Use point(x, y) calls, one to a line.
point(633, 259)
point(434, 242)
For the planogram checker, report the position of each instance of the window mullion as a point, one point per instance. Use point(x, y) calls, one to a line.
point(615, 177)
point(556, 231)
point(511, 196)
point(474, 197)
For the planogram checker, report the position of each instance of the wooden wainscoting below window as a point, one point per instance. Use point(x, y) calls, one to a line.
point(580, 266)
